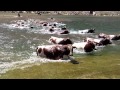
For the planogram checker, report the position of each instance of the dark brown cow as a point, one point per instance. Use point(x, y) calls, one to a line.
point(63, 41)
point(90, 46)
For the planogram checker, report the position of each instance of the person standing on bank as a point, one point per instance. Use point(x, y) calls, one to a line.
point(18, 14)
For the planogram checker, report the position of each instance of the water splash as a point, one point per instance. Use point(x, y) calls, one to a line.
point(32, 60)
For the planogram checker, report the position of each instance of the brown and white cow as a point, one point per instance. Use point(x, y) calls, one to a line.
point(86, 46)
point(111, 37)
point(63, 41)
point(55, 52)
point(99, 41)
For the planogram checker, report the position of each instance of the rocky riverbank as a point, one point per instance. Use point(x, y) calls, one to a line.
point(95, 13)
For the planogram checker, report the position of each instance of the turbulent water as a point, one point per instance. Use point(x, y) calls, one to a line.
point(17, 46)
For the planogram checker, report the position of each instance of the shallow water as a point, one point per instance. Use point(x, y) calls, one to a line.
point(17, 46)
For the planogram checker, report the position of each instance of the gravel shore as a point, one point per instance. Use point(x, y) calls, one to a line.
point(95, 13)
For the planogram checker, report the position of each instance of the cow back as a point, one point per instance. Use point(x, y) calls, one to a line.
point(105, 41)
point(52, 53)
point(65, 41)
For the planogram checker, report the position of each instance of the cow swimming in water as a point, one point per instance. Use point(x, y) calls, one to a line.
point(111, 37)
point(86, 31)
point(56, 52)
point(86, 46)
point(63, 41)
point(98, 42)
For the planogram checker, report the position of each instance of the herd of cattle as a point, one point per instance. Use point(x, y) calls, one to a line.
point(64, 46)
point(61, 47)
point(52, 27)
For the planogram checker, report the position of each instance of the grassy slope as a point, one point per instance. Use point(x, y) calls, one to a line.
point(102, 68)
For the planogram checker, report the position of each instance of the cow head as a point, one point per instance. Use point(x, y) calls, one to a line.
point(38, 50)
point(91, 30)
point(45, 24)
point(69, 49)
point(84, 39)
point(53, 39)
point(51, 30)
point(90, 46)
point(63, 28)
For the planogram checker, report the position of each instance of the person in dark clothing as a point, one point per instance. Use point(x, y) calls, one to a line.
point(18, 14)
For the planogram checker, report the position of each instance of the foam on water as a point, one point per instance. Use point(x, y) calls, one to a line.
point(46, 31)
point(113, 44)
point(37, 28)
point(32, 60)
point(73, 31)
point(81, 51)
point(13, 26)
point(78, 51)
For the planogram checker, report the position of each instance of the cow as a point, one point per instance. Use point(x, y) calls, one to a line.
point(91, 30)
point(85, 31)
point(111, 37)
point(58, 30)
point(56, 52)
point(86, 46)
point(51, 29)
point(98, 42)
point(64, 32)
point(63, 41)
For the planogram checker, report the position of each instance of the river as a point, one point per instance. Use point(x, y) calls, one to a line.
point(17, 46)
